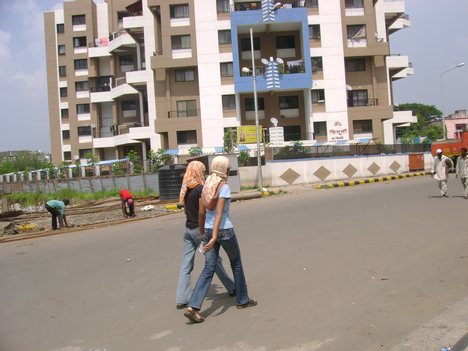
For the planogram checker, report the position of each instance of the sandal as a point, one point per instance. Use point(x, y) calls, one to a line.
point(181, 306)
point(251, 303)
point(193, 315)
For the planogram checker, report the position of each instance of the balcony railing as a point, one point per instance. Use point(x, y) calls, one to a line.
point(100, 84)
point(183, 113)
point(362, 102)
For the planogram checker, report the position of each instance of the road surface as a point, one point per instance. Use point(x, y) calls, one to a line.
point(354, 268)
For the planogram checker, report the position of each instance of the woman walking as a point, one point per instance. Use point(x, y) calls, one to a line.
point(190, 194)
point(215, 224)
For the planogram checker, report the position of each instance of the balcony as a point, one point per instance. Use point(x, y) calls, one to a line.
point(99, 48)
point(119, 39)
point(399, 66)
point(100, 88)
point(122, 88)
point(402, 22)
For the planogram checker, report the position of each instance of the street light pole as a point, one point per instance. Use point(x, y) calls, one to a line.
point(442, 96)
point(257, 127)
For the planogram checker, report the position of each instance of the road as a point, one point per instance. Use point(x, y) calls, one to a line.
point(354, 268)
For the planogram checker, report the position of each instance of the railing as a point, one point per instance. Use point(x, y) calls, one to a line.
point(100, 84)
point(362, 102)
point(292, 152)
point(291, 69)
point(183, 113)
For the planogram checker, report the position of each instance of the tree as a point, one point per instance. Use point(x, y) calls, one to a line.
point(18, 161)
point(422, 128)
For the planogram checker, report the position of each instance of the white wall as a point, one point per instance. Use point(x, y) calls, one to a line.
point(272, 171)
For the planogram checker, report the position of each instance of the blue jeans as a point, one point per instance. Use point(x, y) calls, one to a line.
point(227, 239)
point(192, 241)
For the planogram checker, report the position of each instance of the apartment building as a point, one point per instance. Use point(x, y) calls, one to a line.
point(173, 74)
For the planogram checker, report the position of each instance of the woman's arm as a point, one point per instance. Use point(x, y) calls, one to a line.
point(217, 222)
point(201, 217)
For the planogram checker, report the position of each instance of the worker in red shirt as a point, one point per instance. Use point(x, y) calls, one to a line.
point(127, 200)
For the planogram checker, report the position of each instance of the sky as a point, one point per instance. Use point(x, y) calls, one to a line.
point(436, 41)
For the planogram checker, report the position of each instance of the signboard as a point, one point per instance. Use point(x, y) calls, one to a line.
point(338, 132)
point(248, 134)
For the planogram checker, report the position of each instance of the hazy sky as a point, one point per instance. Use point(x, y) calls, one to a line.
point(436, 41)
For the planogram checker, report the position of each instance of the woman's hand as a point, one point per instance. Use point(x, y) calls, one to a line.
point(208, 246)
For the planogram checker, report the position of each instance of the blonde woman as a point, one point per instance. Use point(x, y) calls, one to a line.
point(215, 224)
point(190, 194)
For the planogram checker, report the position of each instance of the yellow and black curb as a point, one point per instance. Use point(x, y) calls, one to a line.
point(368, 180)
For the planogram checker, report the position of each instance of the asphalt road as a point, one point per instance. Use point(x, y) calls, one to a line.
point(355, 268)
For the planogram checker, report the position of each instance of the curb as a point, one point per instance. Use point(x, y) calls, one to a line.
point(368, 180)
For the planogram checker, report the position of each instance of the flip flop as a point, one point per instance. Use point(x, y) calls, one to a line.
point(193, 317)
point(251, 303)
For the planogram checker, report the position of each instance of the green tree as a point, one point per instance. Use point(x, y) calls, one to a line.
point(426, 114)
point(229, 139)
point(17, 161)
point(135, 159)
point(158, 159)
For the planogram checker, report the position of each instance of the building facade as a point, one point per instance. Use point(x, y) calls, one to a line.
point(173, 74)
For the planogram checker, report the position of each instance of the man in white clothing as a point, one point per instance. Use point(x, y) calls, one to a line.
point(462, 170)
point(440, 168)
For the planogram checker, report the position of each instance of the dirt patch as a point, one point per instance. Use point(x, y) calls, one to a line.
point(38, 220)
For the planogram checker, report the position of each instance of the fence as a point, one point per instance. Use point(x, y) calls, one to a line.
point(296, 151)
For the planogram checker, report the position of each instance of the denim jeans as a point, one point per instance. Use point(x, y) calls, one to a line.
point(227, 239)
point(192, 241)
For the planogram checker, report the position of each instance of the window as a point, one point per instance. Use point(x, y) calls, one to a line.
point(314, 32)
point(63, 92)
point(317, 65)
point(126, 60)
point(250, 104)
point(318, 96)
point(65, 134)
point(184, 75)
point(357, 31)
point(179, 11)
point(81, 64)
point(224, 36)
point(187, 137)
point(67, 156)
point(79, 42)
point(245, 44)
point(83, 152)
point(285, 42)
point(78, 20)
point(82, 108)
point(186, 108)
point(61, 49)
point(222, 6)
point(320, 129)
point(362, 126)
point(355, 65)
point(129, 105)
point(226, 69)
point(229, 102)
point(84, 131)
point(288, 102)
point(354, 4)
point(64, 113)
point(62, 71)
point(357, 98)
point(292, 133)
point(60, 28)
point(82, 86)
point(181, 42)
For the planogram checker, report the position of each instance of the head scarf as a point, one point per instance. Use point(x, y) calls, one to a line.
point(219, 173)
point(194, 175)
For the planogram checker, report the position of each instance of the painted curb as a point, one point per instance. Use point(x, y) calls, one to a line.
point(367, 180)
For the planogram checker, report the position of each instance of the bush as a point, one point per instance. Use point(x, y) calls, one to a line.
point(243, 158)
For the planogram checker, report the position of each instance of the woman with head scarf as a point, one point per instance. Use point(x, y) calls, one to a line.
point(218, 231)
point(190, 192)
